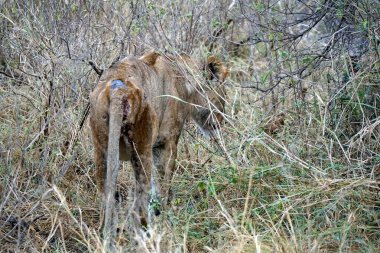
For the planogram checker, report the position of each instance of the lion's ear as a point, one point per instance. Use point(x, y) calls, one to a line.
point(150, 57)
point(216, 69)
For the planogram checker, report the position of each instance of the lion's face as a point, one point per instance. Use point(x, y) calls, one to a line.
point(209, 116)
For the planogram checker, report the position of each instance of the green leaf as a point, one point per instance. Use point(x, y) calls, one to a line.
point(201, 186)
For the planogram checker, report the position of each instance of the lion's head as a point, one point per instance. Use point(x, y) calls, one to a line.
point(210, 102)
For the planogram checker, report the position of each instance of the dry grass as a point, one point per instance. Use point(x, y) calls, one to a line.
point(300, 176)
point(282, 193)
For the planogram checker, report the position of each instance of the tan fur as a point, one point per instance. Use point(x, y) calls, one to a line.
point(162, 92)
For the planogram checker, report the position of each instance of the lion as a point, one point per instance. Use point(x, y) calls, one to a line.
point(138, 110)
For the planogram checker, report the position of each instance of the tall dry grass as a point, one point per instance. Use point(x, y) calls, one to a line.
point(295, 168)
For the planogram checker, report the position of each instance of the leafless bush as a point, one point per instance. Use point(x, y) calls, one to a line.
point(304, 72)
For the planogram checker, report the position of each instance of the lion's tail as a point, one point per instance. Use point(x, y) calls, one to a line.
point(115, 123)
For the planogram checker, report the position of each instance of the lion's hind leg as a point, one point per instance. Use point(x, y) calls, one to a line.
point(142, 160)
point(165, 155)
point(100, 170)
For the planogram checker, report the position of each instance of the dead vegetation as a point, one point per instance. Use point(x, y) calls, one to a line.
point(295, 167)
